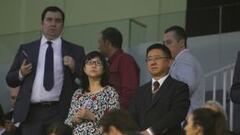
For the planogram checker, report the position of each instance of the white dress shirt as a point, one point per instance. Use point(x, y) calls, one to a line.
point(160, 81)
point(39, 94)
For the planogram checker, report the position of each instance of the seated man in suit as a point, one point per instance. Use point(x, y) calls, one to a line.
point(160, 105)
point(12, 98)
point(9, 125)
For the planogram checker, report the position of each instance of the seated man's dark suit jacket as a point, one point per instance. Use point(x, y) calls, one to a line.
point(69, 86)
point(163, 113)
point(235, 90)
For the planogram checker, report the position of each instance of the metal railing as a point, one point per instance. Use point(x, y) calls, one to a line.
point(224, 74)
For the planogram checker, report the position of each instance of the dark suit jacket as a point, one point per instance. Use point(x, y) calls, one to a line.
point(235, 89)
point(165, 112)
point(69, 86)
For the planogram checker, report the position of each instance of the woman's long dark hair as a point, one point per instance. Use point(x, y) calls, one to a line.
point(84, 78)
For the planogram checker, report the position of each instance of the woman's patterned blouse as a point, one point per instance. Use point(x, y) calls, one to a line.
point(98, 103)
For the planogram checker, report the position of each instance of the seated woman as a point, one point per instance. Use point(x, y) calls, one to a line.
point(94, 98)
point(204, 121)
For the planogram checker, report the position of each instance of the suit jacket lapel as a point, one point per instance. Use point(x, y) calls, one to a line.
point(65, 51)
point(65, 48)
point(147, 95)
point(33, 54)
point(161, 92)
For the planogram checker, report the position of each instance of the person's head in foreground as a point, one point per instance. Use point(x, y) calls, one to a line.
point(204, 121)
point(214, 105)
point(118, 122)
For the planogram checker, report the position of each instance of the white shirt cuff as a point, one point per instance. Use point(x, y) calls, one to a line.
point(17, 124)
point(20, 76)
point(149, 130)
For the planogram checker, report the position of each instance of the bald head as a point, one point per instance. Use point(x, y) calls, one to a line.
point(13, 95)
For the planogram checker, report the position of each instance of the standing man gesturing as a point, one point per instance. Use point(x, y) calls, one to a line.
point(46, 70)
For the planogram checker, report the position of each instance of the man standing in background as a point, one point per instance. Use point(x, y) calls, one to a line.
point(124, 71)
point(185, 67)
point(45, 69)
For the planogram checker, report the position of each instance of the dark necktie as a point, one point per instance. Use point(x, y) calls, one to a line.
point(156, 85)
point(48, 80)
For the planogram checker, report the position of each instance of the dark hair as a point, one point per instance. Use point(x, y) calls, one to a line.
point(165, 50)
point(59, 128)
point(52, 9)
point(213, 123)
point(113, 35)
point(180, 33)
point(120, 120)
point(84, 77)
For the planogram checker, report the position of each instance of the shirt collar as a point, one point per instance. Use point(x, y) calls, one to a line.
point(55, 41)
point(179, 54)
point(118, 51)
point(161, 80)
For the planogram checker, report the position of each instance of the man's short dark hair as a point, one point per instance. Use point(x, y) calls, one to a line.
point(120, 120)
point(179, 31)
point(53, 9)
point(113, 35)
point(162, 47)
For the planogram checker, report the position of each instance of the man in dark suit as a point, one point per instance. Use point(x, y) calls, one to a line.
point(235, 89)
point(160, 105)
point(45, 69)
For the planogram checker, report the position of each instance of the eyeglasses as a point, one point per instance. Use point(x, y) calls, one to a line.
point(90, 63)
point(155, 58)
